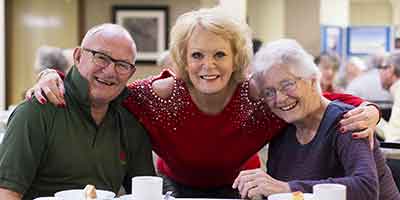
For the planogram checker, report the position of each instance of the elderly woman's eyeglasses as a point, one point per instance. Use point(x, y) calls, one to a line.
point(384, 66)
point(285, 87)
point(104, 60)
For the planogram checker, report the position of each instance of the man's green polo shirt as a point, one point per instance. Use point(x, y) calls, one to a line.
point(47, 149)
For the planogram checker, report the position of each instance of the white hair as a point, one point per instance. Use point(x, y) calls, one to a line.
point(360, 64)
point(50, 57)
point(288, 53)
point(394, 59)
point(163, 58)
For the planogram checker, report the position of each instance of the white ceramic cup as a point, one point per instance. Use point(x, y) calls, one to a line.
point(329, 192)
point(147, 188)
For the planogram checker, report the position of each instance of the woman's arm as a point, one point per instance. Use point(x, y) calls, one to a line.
point(50, 86)
point(360, 178)
point(255, 182)
point(361, 120)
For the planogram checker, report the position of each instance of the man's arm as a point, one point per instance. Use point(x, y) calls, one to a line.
point(141, 160)
point(139, 154)
point(9, 195)
point(22, 148)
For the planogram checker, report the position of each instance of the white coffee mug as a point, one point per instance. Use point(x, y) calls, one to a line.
point(329, 191)
point(147, 188)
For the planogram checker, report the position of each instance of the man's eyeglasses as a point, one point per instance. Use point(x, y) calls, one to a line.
point(285, 87)
point(104, 60)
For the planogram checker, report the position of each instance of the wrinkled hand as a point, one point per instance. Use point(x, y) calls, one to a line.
point(255, 183)
point(52, 86)
point(361, 121)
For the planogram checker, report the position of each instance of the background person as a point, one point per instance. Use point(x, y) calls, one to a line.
point(355, 67)
point(165, 61)
point(368, 85)
point(48, 57)
point(390, 76)
point(328, 63)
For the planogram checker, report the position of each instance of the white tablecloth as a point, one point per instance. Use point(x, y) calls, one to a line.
point(391, 153)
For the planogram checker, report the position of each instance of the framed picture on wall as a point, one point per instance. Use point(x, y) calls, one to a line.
point(332, 39)
point(365, 40)
point(148, 26)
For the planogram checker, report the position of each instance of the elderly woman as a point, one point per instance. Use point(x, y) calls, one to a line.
point(206, 123)
point(311, 150)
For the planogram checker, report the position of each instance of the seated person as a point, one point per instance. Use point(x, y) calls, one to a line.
point(390, 80)
point(47, 149)
point(48, 57)
point(312, 150)
point(329, 63)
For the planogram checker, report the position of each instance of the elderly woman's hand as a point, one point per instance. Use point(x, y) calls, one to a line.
point(51, 85)
point(255, 183)
point(361, 121)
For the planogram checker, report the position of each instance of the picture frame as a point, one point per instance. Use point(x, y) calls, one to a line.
point(365, 40)
point(332, 39)
point(148, 26)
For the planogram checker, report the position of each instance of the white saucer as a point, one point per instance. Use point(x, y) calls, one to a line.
point(130, 197)
point(289, 196)
point(45, 198)
point(78, 194)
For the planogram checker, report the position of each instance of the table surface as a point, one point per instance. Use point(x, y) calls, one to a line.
point(391, 153)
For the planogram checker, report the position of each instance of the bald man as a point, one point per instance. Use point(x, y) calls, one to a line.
point(94, 140)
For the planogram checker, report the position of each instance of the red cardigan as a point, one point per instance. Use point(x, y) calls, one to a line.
point(201, 150)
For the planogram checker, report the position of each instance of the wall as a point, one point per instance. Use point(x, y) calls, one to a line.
point(29, 25)
point(370, 13)
point(335, 12)
point(270, 20)
point(2, 57)
point(97, 12)
point(302, 22)
point(237, 9)
point(267, 18)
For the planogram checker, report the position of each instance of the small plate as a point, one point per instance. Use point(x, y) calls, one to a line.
point(289, 196)
point(130, 197)
point(79, 195)
point(126, 197)
point(45, 198)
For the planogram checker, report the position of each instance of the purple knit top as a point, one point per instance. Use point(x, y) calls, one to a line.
point(332, 157)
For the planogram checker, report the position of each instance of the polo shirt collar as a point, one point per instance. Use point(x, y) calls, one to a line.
point(80, 88)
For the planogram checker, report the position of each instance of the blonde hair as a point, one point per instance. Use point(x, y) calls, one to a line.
point(216, 21)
